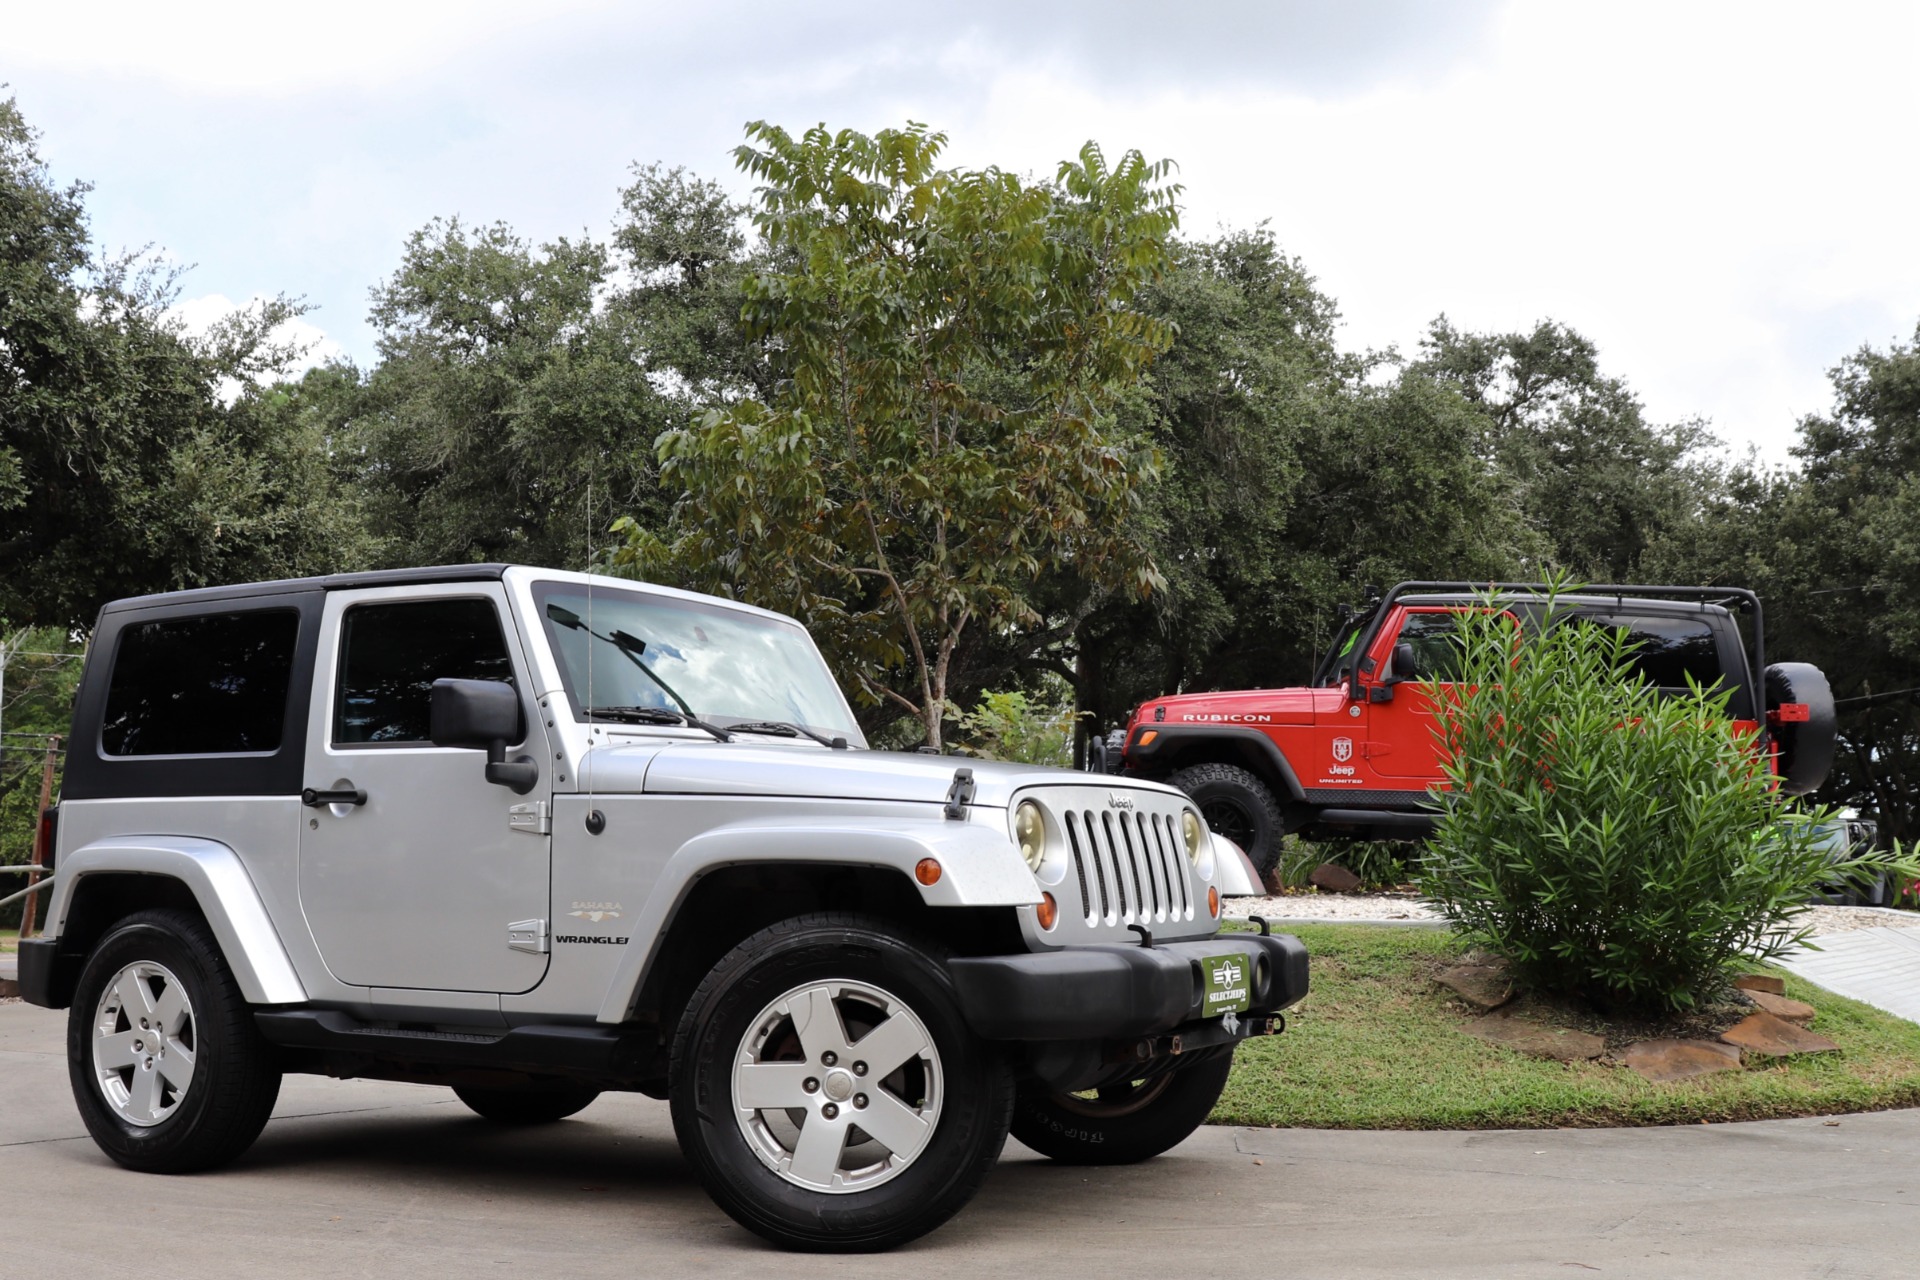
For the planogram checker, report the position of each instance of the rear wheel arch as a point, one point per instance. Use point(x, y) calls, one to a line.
point(101, 900)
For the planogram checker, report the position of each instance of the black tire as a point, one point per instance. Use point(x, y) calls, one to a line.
point(975, 1087)
point(1239, 806)
point(541, 1103)
point(1126, 1123)
point(1806, 746)
point(235, 1078)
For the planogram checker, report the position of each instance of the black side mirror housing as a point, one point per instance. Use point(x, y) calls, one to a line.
point(483, 715)
point(1404, 662)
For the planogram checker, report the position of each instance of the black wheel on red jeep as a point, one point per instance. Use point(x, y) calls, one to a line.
point(1124, 1122)
point(1237, 805)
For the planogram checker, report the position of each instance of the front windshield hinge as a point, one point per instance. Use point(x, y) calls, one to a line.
point(960, 794)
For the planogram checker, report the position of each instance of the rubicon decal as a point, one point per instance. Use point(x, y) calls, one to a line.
point(1227, 717)
point(595, 912)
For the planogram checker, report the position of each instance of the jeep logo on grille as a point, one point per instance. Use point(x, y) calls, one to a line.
point(1119, 800)
point(1343, 749)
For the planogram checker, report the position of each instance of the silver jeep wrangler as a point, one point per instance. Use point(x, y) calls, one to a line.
point(535, 835)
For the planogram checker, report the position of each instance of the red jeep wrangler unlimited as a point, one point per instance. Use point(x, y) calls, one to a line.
point(1352, 755)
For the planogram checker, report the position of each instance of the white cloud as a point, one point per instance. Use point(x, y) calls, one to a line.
point(198, 315)
point(1719, 194)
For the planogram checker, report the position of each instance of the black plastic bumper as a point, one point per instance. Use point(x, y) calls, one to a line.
point(47, 977)
point(1114, 992)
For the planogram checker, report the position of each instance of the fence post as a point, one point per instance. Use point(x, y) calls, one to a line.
point(40, 850)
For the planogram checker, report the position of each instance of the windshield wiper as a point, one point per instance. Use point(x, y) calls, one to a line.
point(655, 715)
point(631, 647)
point(788, 729)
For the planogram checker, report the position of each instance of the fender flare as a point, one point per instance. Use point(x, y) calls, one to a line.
point(1290, 790)
point(219, 883)
point(979, 868)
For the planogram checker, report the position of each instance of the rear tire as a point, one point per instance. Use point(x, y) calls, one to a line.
point(531, 1104)
point(1127, 1123)
point(168, 1070)
point(1239, 806)
point(775, 1045)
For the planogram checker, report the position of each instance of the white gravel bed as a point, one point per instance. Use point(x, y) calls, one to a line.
point(1397, 906)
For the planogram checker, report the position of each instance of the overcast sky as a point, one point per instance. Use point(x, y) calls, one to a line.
point(1722, 196)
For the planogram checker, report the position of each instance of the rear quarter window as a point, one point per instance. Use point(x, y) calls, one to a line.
point(1668, 650)
point(214, 684)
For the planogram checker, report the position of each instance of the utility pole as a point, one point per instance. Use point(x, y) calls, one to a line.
point(40, 850)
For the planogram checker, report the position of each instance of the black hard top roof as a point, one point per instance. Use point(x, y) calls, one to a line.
point(332, 582)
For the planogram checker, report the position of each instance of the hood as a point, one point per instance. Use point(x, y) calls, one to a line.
point(738, 769)
point(1239, 706)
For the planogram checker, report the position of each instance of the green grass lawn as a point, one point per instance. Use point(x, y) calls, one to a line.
point(9, 940)
point(1377, 1045)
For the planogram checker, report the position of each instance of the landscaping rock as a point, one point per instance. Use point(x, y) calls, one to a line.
point(1484, 986)
point(1663, 1061)
point(8, 988)
point(1558, 1043)
point(1775, 1037)
point(1273, 883)
point(1334, 878)
point(1782, 1007)
point(1761, 982)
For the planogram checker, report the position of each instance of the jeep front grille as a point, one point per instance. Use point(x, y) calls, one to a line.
point(1129, 866)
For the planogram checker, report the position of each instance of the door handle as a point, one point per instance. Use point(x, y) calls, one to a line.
point(342, 795)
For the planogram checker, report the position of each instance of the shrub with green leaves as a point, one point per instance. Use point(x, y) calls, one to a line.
point(1610, 840)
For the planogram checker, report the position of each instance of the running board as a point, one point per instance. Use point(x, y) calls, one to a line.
point(1422, 823)
point(605, 1052)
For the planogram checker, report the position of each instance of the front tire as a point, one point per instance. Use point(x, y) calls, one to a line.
point(1237, 805)
point(828, 1091)
point(530, 1104)
point(168, 1070)
point(1123, 1123)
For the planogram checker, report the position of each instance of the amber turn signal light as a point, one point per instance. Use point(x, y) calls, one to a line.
point(1213, 900)
point(928, 872)
point(1048, 911)
point(1146, 739)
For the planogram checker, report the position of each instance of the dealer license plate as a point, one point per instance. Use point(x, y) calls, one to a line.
point(1228, 983)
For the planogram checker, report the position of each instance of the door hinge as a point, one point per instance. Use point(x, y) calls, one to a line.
point(531, 817)
point(529, 936)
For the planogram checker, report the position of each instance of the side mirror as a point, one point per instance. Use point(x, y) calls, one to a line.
point(484, 715)
point(1404, 662)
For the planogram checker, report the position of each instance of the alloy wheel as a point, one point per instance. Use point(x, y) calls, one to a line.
point(144, 1043)
point(837, 1086)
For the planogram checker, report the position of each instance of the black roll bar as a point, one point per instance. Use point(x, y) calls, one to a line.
point(1739, 596)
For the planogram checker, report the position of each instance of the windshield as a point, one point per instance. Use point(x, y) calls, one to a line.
point(725, 665)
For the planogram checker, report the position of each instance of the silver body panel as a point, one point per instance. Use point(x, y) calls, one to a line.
point(399, 910)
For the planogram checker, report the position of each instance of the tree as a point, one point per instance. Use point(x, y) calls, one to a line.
point(951, 346)
point(123, 470)
point(1829, 546)
point(1295, 475)
point(509, 418)
point(1591, 476)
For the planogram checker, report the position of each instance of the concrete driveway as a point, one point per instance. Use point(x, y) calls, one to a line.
point(367, 1179)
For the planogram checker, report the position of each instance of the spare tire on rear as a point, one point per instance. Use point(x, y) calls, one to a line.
point(1806, 745)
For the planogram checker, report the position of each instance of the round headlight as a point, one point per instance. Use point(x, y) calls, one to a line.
point(1196, 833)
point(1031, 831)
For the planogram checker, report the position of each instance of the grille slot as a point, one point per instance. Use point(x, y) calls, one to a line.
point(1113, 859)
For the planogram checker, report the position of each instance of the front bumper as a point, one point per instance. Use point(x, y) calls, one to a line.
point(1116, 992)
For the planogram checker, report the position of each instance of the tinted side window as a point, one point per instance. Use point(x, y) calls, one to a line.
point(214, 685)
point(1668, 650)
point(390, 655)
